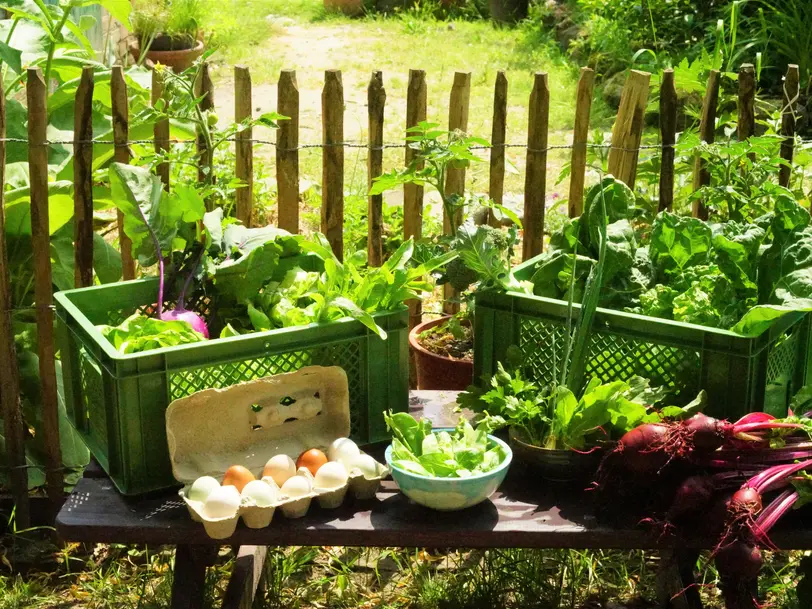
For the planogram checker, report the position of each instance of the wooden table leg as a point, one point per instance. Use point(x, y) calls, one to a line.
point(676, 586)
point(188, 583)
point(246, 577)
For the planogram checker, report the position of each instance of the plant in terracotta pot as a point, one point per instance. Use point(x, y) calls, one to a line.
point(443, 347)
point(167, 32)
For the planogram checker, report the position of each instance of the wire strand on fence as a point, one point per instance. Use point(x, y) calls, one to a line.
point(607, 146)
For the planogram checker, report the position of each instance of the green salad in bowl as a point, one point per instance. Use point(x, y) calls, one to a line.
point(445, 469)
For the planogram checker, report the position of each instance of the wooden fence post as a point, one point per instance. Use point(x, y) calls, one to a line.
point(580, 135)
point(83, 180)
point(287, 152)
point(747, 99)
point(496, 182)
point(332, 177)
point(707, 128)
point(376, 101)
point(628, 128)
point(120, 111)
point(457, 121)
point(161, 130)
point(416, 96)
point(244, 169)
point(10, 380)
point(668, 139)
point(43, 288)
point(204, 89)
point(535, 183)
point(455, 177)
point(791, 94)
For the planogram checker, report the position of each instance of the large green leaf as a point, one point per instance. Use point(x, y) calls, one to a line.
point(11, 57)
point(678, 242)
point(18, 208)
point(106, 260)
point(149, 213)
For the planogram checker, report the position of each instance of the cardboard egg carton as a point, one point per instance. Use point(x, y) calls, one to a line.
point(247, 424)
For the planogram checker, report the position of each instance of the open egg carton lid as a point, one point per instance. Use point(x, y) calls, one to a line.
point(247, 424)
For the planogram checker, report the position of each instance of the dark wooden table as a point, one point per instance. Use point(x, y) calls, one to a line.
point(524, 513)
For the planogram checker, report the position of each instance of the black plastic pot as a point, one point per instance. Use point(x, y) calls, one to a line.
point(555, 465)
point(508, 11)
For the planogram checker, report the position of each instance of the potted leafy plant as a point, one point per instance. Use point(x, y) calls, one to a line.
point(167, 32)
point(443, 347)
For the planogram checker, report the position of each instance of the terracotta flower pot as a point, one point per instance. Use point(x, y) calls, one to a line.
point(508, 11)
point(348, 7)
point(177, 59)
point(438, 371)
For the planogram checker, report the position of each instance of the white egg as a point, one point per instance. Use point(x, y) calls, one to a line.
point(202, 488)
point(296, 486)
point(366, 464)
point(260, 493)
point(280, 468)
point(343, 450)
point(331, 475)
point(222, 502)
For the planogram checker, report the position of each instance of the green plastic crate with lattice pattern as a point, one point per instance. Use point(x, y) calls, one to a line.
point(117, 401)
point(741, 374)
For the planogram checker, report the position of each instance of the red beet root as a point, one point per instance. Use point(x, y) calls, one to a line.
point(739, 559)
point(642, 448)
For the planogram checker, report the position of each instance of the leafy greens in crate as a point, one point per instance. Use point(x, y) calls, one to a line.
point(730, 275)
point(233, 267)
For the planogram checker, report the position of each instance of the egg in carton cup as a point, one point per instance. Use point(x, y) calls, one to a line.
point(257, 424)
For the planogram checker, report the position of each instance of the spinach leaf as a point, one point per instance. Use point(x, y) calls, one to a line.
point(679, 242)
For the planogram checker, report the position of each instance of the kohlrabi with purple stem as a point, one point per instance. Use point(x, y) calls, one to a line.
point(152, 220)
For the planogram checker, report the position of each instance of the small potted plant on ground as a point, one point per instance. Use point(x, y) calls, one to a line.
point(352, 8)
point(167, 32)
point(443, 347)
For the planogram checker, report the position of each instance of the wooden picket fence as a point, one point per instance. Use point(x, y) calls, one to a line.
point(623, 157)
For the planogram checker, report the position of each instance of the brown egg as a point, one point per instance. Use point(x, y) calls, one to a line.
point(312, 459)
point(237, 476)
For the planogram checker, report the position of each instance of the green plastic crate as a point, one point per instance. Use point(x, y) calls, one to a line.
point(117, 402)
point(740, 374)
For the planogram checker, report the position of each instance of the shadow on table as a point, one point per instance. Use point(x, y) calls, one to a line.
point(399, 511)
point(524, 495)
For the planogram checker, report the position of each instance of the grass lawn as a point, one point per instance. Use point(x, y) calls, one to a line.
point(269, 35)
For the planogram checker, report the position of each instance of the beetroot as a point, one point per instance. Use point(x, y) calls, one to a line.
point(693, 495)
point(739, 559)
point(705, 433)
point(643, 448)
point(746, 499)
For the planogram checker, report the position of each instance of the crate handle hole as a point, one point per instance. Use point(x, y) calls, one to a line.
point(290, 419)
point(256, 427)
point(287, 401)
